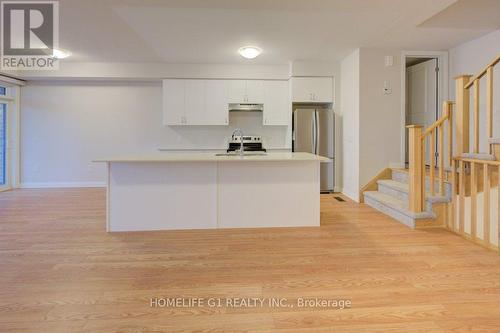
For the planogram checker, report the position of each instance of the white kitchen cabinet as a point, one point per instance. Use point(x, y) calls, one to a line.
point(173, 102)
point(195, 102)
point(236, 91)
point(255, 91)
point(194, 106)
point(312, 89)
point(245, 91)
point(216, 103)
point(277, 108)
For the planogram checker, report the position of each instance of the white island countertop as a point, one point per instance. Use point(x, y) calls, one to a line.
point(213, 157)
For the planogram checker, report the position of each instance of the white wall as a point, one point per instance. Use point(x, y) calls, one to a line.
point(470, 58)
point(371, 119)
point(380, 114)
point(349, 97)
point(65, 125)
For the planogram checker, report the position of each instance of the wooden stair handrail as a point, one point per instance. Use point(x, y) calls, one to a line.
point(446, 115)
point(478, 161)
point(482, 72)
point(417, 138)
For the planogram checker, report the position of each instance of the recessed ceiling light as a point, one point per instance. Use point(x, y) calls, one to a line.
point(250, 52)
point(60, 54)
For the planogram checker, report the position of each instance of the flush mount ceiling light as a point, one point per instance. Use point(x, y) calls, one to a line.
point(60, 54)
point(250, 52)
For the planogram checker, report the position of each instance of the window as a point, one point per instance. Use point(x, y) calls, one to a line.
point(3, 144)
point(3, 91)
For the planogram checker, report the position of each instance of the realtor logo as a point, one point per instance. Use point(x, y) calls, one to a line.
point(30, 33)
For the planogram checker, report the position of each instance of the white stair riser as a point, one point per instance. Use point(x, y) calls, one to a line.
point(406, 220)
point(393, 192)
point(403, 195)
point(402, 177)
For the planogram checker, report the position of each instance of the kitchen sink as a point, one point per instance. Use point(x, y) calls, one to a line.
point(237, 154)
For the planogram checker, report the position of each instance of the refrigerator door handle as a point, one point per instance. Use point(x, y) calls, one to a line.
point(317, 136)
point(314, 133)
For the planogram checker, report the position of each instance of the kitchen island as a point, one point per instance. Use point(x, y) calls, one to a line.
point(172, 191)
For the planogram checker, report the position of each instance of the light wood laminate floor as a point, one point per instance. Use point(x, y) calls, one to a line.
point(61, 272)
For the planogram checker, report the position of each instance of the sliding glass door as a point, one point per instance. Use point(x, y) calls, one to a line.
point(4, 154)
point(4, 163)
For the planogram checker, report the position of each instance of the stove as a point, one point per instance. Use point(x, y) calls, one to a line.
point(250, 143)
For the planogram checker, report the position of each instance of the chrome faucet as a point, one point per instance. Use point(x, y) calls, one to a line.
point(240, 132)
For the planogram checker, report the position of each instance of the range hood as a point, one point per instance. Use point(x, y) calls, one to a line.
point(246, 107)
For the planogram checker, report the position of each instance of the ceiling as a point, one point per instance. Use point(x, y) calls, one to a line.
point(211, 31)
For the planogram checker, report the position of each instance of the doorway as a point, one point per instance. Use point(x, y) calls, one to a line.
point(423, 96)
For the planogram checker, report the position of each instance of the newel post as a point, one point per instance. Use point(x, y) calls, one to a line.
point(462, 114)
point(416, 168)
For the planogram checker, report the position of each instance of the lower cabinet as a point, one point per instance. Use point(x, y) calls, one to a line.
point(205, 102)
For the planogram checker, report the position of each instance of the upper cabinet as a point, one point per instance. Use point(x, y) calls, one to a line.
point(205, 102)
point(312, 89)
point(277, 106)
point(245, 91)
point(195, 102)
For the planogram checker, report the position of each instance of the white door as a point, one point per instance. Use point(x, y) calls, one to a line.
point(216, 111)
point(5, 182)
point(421, 97)
point(277, 109)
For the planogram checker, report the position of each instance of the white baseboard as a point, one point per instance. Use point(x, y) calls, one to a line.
point(337, 189)
point(352, 196)
point(396, 165)
point(62, 185)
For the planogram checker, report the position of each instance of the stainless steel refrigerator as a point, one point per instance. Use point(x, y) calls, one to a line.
point(314, 132)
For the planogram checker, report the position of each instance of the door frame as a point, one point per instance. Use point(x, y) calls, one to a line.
point(443, 93)
point(12, 135)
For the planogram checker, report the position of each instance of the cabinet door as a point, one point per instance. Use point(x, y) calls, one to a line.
point(217, 111)
point(173, 102)
point(322, 89)
point(195, 102)
point(254, 91)
point(277, 108)
point(236, 91)
point(312, 89)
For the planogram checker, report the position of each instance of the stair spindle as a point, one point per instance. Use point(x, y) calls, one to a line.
point(476, 116)
point(473, 198)
point(486, 204)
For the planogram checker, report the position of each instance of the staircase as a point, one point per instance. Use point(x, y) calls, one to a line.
point(461, 191)
point(391, 198)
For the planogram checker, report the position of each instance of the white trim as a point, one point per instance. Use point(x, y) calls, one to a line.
point(443, 93)
point(337, 189)
point(351, 196)
point(63, 185)
point(12, 80)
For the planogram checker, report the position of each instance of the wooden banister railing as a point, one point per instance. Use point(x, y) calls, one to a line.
point(472, 179)
point(474, 83)
point(483, 176)
point(417, 161)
